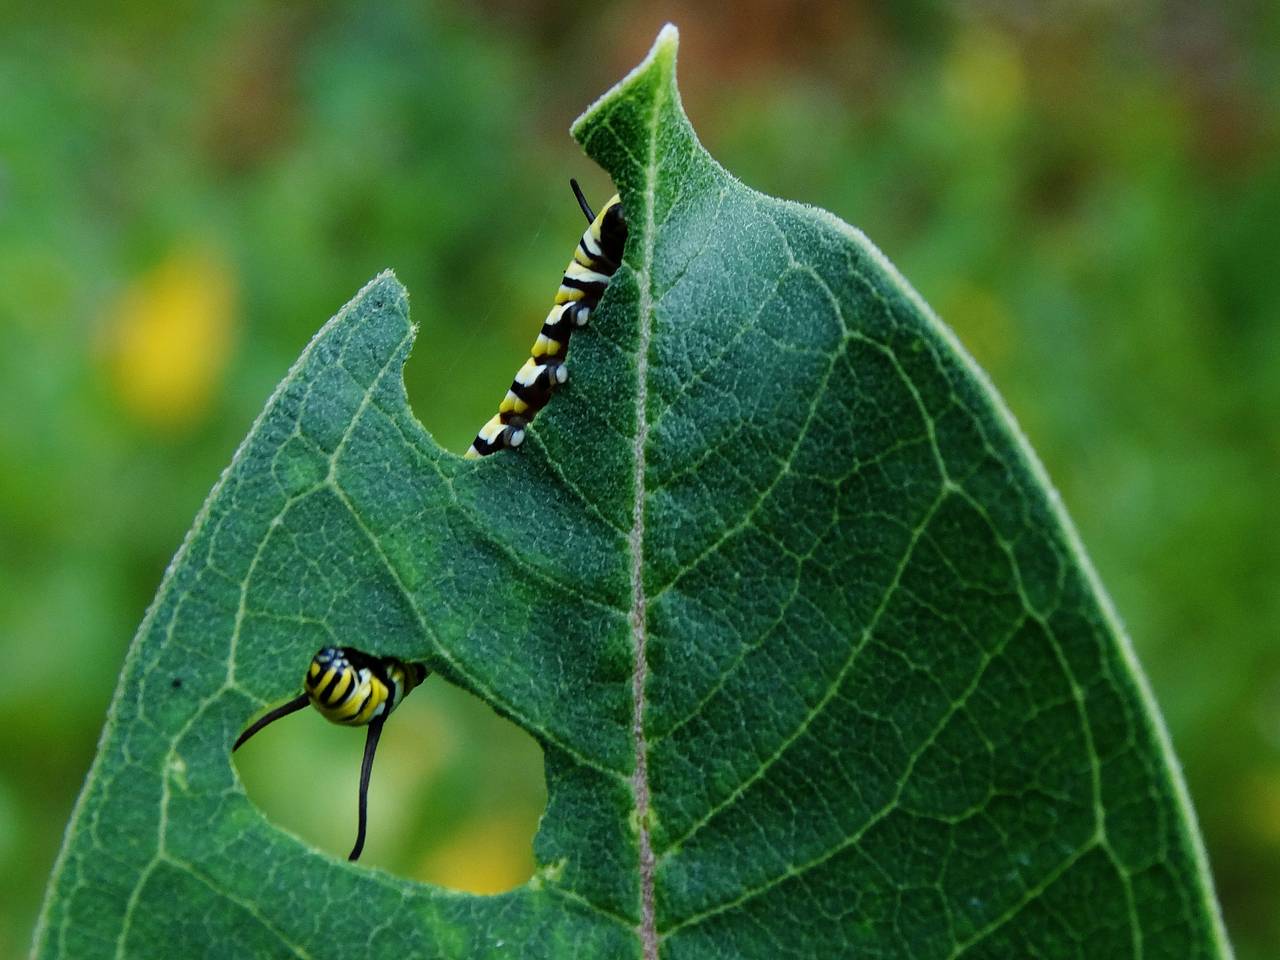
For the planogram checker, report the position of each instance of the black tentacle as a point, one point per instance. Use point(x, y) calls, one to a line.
point(366, 768)
point(293, 706)
point(582, 201)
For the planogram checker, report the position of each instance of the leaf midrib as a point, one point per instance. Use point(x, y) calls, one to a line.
point(647, 929)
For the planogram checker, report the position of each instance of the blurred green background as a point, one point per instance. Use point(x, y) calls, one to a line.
point(1089, 194)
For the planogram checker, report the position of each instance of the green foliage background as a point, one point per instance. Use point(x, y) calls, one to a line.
point(1092, 200)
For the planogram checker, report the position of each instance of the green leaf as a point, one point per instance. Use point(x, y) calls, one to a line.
point(818, 664)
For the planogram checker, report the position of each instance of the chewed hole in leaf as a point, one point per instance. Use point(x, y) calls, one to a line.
point(455, 797)
point(818, 662)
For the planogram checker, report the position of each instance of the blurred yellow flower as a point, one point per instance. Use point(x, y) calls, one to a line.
point(984, 78)
point(487, 855)
point(169, 336)
point(981, 320)
point(1263, 791)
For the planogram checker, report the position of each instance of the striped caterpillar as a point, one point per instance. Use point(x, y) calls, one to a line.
point(594, 262)
point(356, 689)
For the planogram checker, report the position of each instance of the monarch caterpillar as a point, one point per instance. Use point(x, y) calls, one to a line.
point(594, 262)
point(354, 688)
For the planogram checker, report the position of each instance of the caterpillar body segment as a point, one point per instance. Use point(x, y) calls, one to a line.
point(354, 688)
point(595, 260)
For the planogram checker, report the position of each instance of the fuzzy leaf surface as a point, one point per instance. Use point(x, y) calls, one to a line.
point(816, 660)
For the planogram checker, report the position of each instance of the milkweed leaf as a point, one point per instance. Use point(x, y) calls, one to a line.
point(818, 664)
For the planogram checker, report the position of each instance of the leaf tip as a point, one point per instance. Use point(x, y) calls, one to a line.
point(388, 281)
point(658, 64)
point(668, 39)
point(384, 281)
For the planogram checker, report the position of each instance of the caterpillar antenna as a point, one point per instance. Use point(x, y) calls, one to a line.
point(582, 201)
point(293, 706)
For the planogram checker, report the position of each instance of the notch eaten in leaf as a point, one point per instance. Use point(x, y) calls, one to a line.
point(817, 662)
